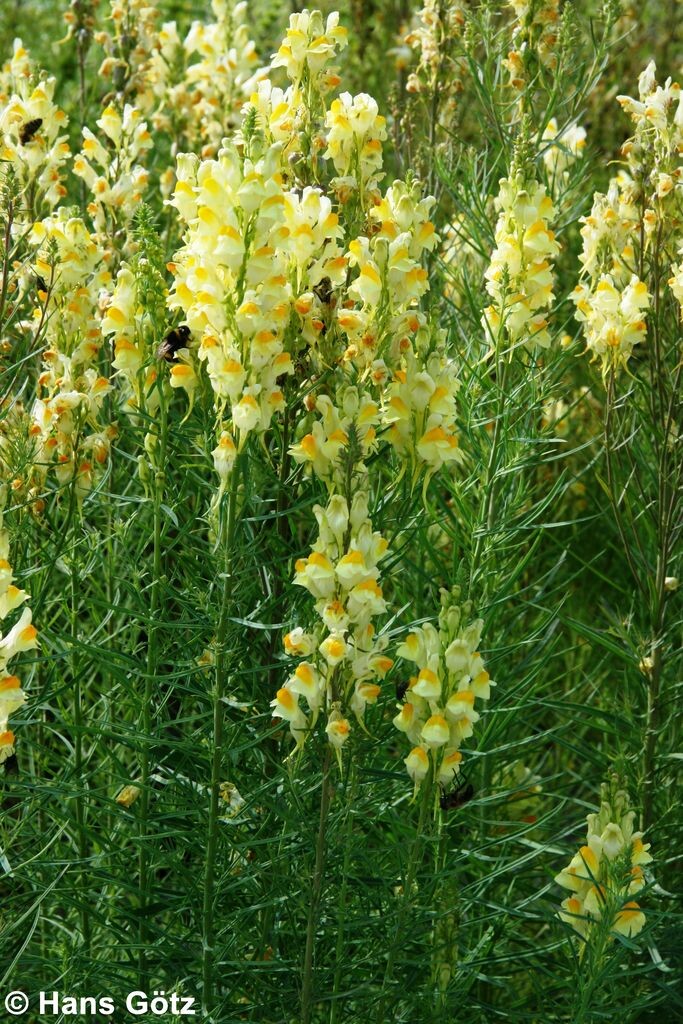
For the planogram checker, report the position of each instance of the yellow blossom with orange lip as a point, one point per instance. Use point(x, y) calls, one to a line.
point(71, 391)
point(345, 656)
point(37, 159)
point(23, 636)
point(437, 712)
point(113, 171)
point(519, 277)
point(606, 872)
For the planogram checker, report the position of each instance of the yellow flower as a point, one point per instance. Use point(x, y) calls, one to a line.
point(606, 872)
point(337, 729)
point(224, 455)
point(417, 765)
point(519, 276)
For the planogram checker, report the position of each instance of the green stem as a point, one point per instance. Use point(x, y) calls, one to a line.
point(658, 596)
point(282, 537)
point(487, 516)
point(444, 951)
point(227, 536)
point(314, 905)
point(406, 900)
point(589, 973)
point(150, 679)
point(337, 1004)
point(76, 675)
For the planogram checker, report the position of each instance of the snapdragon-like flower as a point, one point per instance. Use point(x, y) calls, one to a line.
point(438, 711)
point(606, 873)
point(128, 42)
point(355, 132)
point(23, 636)
point(520, 277)
point(268, 277)
point(435, 80)
point(310, 44)
point(295, 264)
point(32, 140)
point(232, 283)
point(202, 81)
point(73, 277)
point(655, 160)
point(433, 32)
point(565, 148)
point(676, 282)
point(135, 320)
point(638, 212)
point(344, 657)
point(111, 171)
point(658, 111)
point(534, 38)
point(614, 319)
point(611, 301)
point(312, 130)
point(322, 448)
point(419, 407)
point(609, 232)
point(382, 309)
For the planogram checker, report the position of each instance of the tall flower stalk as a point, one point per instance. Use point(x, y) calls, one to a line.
point(228, 521)
point(626, 302)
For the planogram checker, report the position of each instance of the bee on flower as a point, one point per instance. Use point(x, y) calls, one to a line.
point(33, 146)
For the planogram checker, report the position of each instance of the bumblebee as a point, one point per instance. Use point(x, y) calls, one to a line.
point(174, 340)
point(323, 290)
point(29, 129)
point(458, 797)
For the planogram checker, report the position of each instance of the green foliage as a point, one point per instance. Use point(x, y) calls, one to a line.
point(553, 527)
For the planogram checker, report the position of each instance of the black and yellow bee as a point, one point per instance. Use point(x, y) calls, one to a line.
point(174, 340)
point(29, 129)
